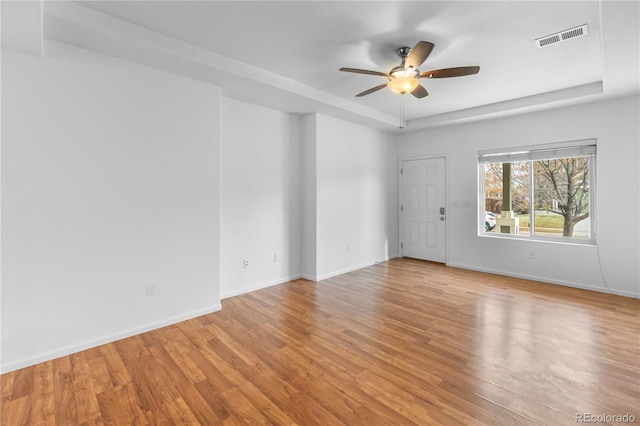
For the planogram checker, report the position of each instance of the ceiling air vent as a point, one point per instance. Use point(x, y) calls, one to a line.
point(562, 36)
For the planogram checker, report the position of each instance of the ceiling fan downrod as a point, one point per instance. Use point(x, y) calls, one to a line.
point(403, 52)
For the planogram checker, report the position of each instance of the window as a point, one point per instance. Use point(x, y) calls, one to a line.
point(544, 192)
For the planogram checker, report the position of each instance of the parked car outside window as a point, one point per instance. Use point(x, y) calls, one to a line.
point(489, 220)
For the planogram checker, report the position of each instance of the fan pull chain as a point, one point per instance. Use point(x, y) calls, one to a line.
point(403, 123)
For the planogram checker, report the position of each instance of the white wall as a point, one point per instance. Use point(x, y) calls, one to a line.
point(110, 182)
point(615, 126)
point(260, 197)
point(356, 196)
point(309, 197)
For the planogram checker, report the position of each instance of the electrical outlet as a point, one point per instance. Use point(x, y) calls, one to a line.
point(532, 254)
point(348, 248)
point(151, 289)
point(246, 263)
point(275, 258)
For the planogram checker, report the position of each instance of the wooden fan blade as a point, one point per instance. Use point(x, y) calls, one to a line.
point(451, 72)
point(359, 71)
point(373, 89)
point(420, 92)
point(418, 54)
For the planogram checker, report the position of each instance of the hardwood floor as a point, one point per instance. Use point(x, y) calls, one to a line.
point(403, 342)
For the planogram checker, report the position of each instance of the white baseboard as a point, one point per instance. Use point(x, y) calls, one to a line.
point(92, 343)
point(260, 286)
point(353, 268)
point(548, 280)
point(624, 293)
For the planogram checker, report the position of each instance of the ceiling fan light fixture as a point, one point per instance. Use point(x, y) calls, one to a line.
point(403, 85)
point(403, 80)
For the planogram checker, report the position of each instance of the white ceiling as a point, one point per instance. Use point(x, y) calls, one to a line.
point(286, 54)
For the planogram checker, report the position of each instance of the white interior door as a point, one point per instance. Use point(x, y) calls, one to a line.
point(422, 209)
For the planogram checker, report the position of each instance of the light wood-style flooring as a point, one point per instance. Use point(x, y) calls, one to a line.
point(400, 343)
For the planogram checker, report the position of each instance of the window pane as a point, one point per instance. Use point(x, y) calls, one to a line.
point(494, 195)
point(561, 194)
point(550, 185)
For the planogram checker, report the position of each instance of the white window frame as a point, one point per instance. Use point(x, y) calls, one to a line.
point(577, 148)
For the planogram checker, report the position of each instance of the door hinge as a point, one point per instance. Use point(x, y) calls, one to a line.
point(401, 171)
point(401, 245)
point(401, 208)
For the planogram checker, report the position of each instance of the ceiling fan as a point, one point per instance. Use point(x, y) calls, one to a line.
point(404, 78)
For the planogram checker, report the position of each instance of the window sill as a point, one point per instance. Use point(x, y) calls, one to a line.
point(543, 239)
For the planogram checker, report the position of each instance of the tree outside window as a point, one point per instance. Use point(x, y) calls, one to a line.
point(562, 187)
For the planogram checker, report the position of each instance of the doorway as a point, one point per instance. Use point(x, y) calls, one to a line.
point(422, 209)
